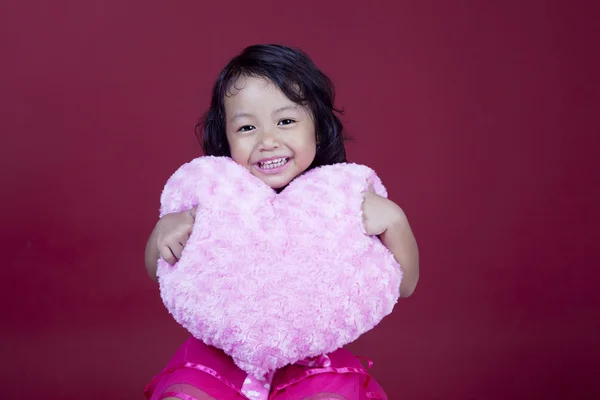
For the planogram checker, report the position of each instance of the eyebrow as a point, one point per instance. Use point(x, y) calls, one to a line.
point(286, 108)
point(280, 109)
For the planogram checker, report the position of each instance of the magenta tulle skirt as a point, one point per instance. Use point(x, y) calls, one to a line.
point(201, 372)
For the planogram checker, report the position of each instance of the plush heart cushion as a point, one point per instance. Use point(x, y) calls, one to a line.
point(272, 278)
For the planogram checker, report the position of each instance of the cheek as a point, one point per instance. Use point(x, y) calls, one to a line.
point(307, 154)
point(240, 152)
point(310, 145)
point(310, 150)
point(237, 155)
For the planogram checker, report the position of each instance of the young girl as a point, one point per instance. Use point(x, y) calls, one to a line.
point(272, 111)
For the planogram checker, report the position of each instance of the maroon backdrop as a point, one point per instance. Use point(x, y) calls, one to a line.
point(481, 118)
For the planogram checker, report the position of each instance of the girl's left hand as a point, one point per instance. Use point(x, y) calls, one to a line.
point(378, 212)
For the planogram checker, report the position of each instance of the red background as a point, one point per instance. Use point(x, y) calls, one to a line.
point(481, 117)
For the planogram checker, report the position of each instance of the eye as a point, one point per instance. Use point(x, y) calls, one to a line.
point(246, 128)
point(286, 121)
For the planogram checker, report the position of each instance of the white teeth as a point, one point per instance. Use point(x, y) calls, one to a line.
point(273, 163)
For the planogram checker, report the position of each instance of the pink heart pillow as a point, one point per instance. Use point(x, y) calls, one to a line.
point(272, 279)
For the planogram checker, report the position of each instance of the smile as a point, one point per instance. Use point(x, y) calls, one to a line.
point(273, 165)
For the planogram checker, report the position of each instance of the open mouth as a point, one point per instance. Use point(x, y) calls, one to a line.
point(273, 164)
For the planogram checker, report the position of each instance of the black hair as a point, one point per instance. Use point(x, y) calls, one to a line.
point(298, 78)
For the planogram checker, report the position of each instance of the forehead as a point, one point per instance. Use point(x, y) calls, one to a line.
point(252, 89)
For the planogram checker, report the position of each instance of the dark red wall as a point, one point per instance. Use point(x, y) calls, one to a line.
point(481, 117)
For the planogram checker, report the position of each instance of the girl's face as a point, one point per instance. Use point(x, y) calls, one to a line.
point(273, 137)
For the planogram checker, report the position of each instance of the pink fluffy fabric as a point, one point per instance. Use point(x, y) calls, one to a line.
point(271, 278)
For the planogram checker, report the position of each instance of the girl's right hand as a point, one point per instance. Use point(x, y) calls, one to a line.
point(172, 233)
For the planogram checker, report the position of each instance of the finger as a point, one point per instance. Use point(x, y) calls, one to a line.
point(366, 195)
point(167, 255)
point(183, 240)
point(370, 183)
point(369, 187)
point(174, 253)
point(181, 237)
point(177, 250)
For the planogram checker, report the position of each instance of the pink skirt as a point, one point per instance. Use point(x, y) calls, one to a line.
point(201, 372)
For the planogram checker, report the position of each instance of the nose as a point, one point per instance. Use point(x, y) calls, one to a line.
point(269, 140)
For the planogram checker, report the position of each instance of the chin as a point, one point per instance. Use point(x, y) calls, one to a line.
point(277, 185)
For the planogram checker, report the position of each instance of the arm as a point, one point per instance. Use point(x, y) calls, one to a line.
point(168, 239)
point(151, 255)
point(399, 239)
point(384, 218)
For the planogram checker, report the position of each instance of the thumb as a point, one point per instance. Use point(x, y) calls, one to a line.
point(370, 185)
